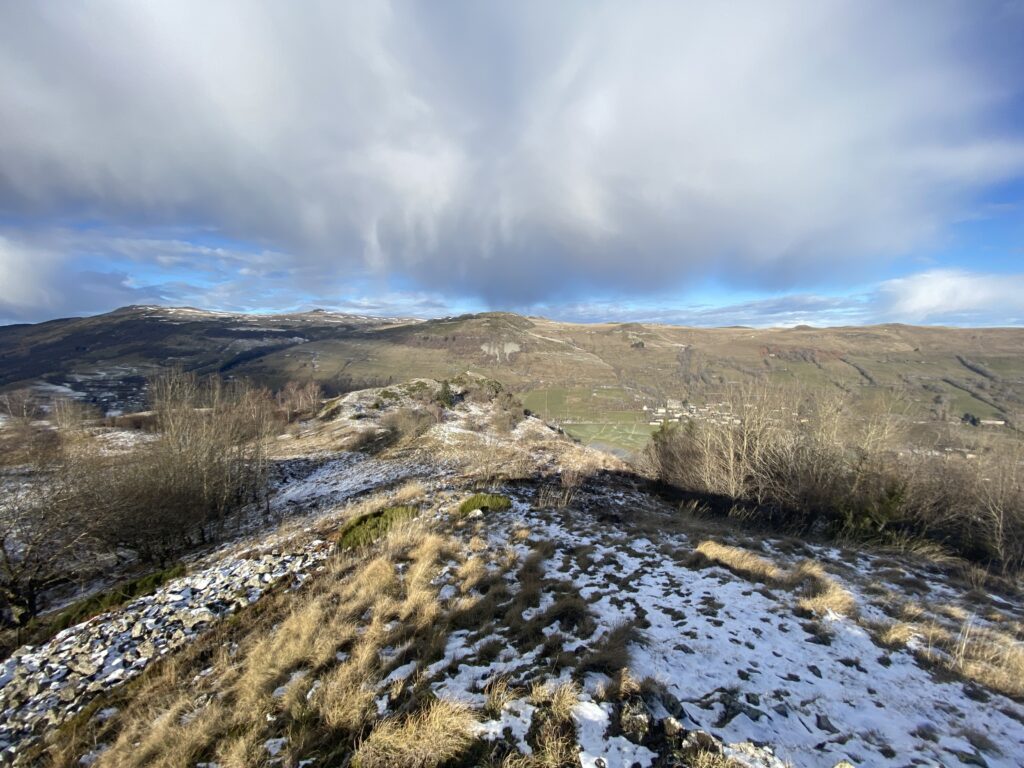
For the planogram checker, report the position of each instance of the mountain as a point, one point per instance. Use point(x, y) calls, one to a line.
point(107, 358)
point(595, 379)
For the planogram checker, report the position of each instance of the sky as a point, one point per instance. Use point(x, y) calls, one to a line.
point(771, 162)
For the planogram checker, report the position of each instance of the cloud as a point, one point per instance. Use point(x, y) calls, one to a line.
point(533, 152)
point(26, 273)
point(37, 282)
point(953, 296)
point(778, 311)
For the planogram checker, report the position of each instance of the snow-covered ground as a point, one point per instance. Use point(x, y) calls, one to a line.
point(725, 655)
point(744, 667)
point(339, 478)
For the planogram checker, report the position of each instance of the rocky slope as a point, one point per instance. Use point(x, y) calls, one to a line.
point(590, 623)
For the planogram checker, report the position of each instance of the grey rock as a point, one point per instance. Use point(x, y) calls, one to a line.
point(635, 720)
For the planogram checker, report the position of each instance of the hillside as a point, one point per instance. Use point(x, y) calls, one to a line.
point(382, 612)
point(603, 382)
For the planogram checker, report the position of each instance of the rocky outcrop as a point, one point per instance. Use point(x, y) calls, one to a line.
point(42, 686)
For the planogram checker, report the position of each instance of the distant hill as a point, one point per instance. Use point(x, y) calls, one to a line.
point(594, 378)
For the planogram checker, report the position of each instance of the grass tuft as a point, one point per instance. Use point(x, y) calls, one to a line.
point(432, 737)
point(742, 562)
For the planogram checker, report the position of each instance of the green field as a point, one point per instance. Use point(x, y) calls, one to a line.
point(626, 438)
point(593, 416)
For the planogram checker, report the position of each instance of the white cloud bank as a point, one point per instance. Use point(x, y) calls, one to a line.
point(953, 296)
point(520, 153)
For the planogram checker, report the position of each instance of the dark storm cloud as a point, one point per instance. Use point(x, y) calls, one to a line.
point(515, 152)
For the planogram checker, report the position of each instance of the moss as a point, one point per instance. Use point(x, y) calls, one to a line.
point(42, 629)
point(367, 528)
point(489, 502)
point(112, 598)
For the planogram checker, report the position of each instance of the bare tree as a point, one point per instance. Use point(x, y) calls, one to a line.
point(43, 538)
point(19, 404)
point(297, 399)
point(70, 415)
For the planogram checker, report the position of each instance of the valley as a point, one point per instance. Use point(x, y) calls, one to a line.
point(603, 383)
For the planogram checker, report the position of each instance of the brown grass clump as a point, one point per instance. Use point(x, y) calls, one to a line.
point(499, 693)
point(429, 738)
point(563, 698)
point(345, 700)
point(553, 733)
point(622, 686)
point(471, 573)
point(822, 593)
point(421, 608)
point(611, 653)
point(988, 656)
point(407, 493)
point(951, 611)
point(899, 633)
point(991, 658)
point(742, 562)
point(705, 758)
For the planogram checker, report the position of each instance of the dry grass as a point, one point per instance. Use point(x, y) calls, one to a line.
point(554, 733)
point(988, 656)
point(563, 698)
point(345, 700)
point(899, 633)
point(408, 492)
point(705, 758)
point(951, 611)
point(330, 711)
point(499, 692)
point(426, 739)
point(611, 654)
point(471, 573)
point(622, 686)
point(742, 562)
point(991, 658)
point(821, 593)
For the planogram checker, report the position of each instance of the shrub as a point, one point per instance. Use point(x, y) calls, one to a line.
point(832, 474)
point(488, 502)
point(445, 397)
point(611, 652)
point(182, 489)
point(71, 415)
point(406, 423)
point(478, 389)
point(208, 462)
point(42, 540)
point(367, 528)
